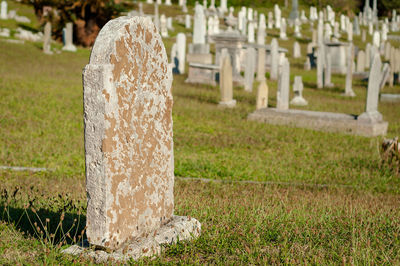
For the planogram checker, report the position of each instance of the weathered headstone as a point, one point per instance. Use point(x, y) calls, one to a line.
point(368, 55)
point(320, 67)
point(294, 14)
point(283, 87)
point(298, 92)
point(249, 70)
point(274, 59)
point(270, 20)
point(47, 39)
point(156, 18)
point(69, 45)
point(277, 15)
point(371, 113)
point(360, 67)
point(181, 51)
point(349, 75)
point(296, 50)
point(282, 33)
point(225, 83)
point(129, 144)
point(3, 10)
point(250, 33)
point(261, 64)
point(188, 22)
point(163, 26)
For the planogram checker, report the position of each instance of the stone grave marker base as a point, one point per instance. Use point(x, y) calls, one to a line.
point(321, 121)
point(180, 228)
point(229, 104)
point(386, 97)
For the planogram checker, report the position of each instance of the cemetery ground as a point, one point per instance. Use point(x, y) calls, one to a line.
point(275, 194)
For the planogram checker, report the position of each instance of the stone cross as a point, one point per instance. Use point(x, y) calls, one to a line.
point(128, 134)
point(274, 59)
point(249, 70)
point(283, 87)
point(3, 11)
point(349, 75)
point(69, 45)
point(47, 39)
point(225, 83)
point(371, 113)
point(298, 92)
point(262, 95)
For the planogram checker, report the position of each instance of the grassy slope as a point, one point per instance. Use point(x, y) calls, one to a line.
point(41, 126)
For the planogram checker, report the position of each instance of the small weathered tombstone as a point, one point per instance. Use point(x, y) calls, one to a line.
point(156, 19)
point(129, 145)
point(69, 45)
point(368, 55)
point(187, 22)
point(181, 51)
point(282, 33)
point(363, 35)
point(385, 75)
point(277, 15)
point(328, 70)
point(262, 95)
point(360, 67)
point(283, 87)
point(274, 59)
point(163, 26)
point(261, 64)
point(47, 39)
point(250, 32)
point(250, 69)
point(296, 50)
point(226, 83)
point(371, 113)
point(294, 13)
point(349, 75)
point(3, 10)
point(298, 92)
point(320, 67)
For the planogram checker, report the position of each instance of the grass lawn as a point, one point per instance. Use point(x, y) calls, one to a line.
point(327, 197)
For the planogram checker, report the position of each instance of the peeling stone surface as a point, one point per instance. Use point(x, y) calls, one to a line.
point(178, 229)
point(128, 133)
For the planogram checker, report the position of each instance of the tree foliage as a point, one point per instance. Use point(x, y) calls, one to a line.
point(88, 16)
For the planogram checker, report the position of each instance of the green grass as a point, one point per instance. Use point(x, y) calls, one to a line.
point(355, 219)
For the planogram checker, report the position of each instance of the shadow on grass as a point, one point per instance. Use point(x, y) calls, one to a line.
point(64, 225)
point(27, 27)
